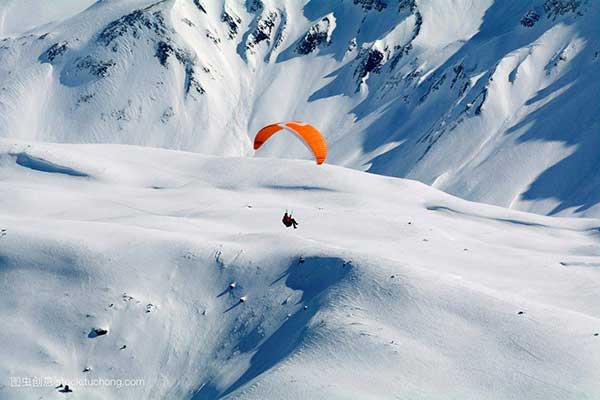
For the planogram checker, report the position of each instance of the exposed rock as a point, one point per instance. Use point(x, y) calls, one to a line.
point(233, 22)
point(483, 96)
point(262, 32)
point(125, 114)
point(555, 8)
point(212, 37)
point(163, 51)
point(254, 5)
point(192, 85)
point(95, 332)
point(556, 60)
point(167, 115)
point(200, 6)
point(95, 67)
point(166, 49)
point(459, 73)
point(351, 45)
point(134, 24)
point(318, 34)
point(85, 98)
point(371, 61)
point(530, 19)
point(56, 50)
point(409, 5)
point(279, 35)
point(188, 22)
point(401, 51)
point(378, 5)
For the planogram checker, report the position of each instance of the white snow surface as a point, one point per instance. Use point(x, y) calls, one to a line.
point(403, 291)
point(494, 101)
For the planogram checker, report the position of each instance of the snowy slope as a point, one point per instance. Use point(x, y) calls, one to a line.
point(493, 101)
point(409, 292)
point(19, 16)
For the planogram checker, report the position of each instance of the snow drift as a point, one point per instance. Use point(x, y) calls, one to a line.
point(389, 288)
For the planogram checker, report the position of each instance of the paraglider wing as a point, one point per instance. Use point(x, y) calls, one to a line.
point(310, 136)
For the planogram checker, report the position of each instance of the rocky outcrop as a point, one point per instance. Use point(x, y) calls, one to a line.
point(200, 6)
point(530, 19)
point(233, 22)
point(378, 5)
point(55, 51)
point(407, 5)
point(134, 24)
point(318, 35)
point(94, 67)
point(401, 51)
point(165, 50)
point(555, 8)
point(254, 5)
point(263, 31)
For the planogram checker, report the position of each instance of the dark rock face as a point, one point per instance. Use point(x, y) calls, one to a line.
point(530, 19)
point(200, 6)
point(265, 27)
point(315, 37)
point(150, 24)
point(280, 33)
point(263, 31)
point(164, 50)
point(133, 24)
point(555, 8)
point(401, 51)
point(98, 68)
point(409, 5)
point(378, 5)
point(483, 97)
point(167, 115)
point(95, 332)
point(233, 22)
point(459, 73)
point(213, 38)
point(254, 5)
point(371, 61)
point(56, 50)
point(192, 85)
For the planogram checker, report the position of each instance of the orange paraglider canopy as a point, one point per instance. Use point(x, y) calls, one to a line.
point(312, 138)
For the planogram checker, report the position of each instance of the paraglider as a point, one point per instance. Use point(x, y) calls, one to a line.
point(288, 220)
point(310, 136)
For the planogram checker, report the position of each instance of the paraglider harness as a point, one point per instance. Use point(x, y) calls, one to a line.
point(288, 220)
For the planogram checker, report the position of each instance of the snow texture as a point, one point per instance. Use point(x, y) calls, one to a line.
point(492, 101)
point(124, 262)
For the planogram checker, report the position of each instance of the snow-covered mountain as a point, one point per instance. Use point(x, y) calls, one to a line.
point(142, 254)
point(494, 101)
point(389, 289)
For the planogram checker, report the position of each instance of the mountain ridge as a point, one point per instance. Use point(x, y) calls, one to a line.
point(492, 101)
